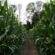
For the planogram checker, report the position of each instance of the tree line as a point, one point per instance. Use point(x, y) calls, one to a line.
point(34, 12)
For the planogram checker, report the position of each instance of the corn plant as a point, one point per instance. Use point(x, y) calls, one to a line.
point(12, 33)
point(43, 34)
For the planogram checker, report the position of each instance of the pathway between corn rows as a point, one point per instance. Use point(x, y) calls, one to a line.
point(29, 48)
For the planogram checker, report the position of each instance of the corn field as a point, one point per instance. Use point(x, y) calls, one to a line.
point(12, 33)
point(43, 35)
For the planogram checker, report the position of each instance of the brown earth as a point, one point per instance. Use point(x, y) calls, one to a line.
point(30, 49)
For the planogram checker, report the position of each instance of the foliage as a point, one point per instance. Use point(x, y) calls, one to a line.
point(12, 33)
point(43, 35)
point(36, 17)
point(30, 7)
point(34, 12)
point(34, 7)
point(39, 6)
point(14, 7)
point(28, 26)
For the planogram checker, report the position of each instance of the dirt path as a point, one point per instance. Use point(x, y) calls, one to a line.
point(29, 48)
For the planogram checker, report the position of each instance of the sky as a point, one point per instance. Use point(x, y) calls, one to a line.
point(24, 4)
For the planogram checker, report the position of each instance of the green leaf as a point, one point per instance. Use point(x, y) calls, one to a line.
point(37, 40)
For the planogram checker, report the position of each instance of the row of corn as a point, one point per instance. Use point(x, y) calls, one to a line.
point(12, 33)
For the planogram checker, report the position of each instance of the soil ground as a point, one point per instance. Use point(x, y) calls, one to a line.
point(29, 49)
